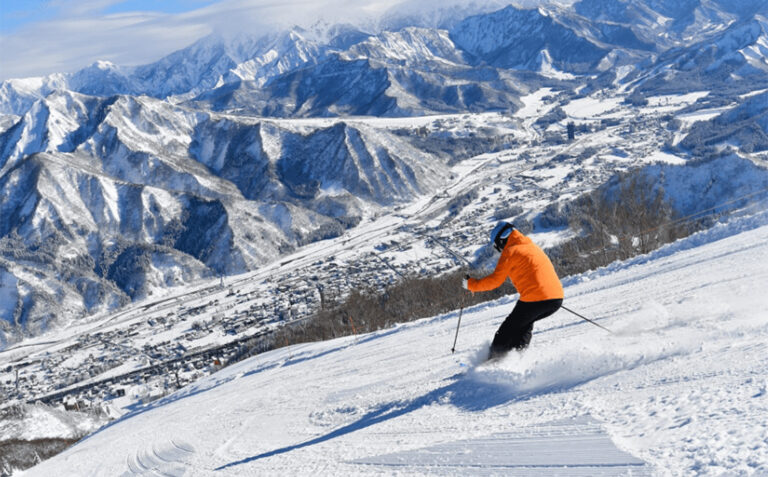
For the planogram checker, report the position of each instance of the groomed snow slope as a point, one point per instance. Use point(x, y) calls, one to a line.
point(680, 388)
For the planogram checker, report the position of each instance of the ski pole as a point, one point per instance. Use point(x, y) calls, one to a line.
point(586, 319)
point(461, 311)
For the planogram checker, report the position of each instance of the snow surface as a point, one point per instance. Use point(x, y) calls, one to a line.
point(590, 107)
point(534, 105)
point(678, 388)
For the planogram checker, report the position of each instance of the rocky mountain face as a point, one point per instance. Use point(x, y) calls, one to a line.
point(117, 182)
point(523, 39)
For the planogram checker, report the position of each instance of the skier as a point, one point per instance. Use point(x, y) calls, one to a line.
point(534, 277)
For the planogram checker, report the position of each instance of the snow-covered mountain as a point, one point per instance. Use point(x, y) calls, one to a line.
point(207, 63)
point(669, 23)
point(411, 72)
point(731, 59)
point(523, 39)
point(223, 156)
point(18, 95)
point(137, 194)
point(573, 38)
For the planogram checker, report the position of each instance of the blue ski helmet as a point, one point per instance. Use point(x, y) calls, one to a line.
point(500, 234)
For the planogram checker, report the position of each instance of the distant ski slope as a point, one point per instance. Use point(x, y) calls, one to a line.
point(680, 388)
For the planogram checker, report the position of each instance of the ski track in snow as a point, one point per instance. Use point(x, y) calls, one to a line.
point(165, 459)
point(679, 388)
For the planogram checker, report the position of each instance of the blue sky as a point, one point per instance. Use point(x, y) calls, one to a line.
point(17, 13)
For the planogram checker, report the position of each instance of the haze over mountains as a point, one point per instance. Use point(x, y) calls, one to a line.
point(118, 182)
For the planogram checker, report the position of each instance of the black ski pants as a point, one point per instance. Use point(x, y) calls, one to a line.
point(516, 330)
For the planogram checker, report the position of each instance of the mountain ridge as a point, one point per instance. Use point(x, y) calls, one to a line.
point(216, 60)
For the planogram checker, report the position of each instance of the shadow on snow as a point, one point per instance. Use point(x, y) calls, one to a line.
point(465, 394)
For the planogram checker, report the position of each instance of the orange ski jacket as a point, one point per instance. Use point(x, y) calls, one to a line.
point(529, 268)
